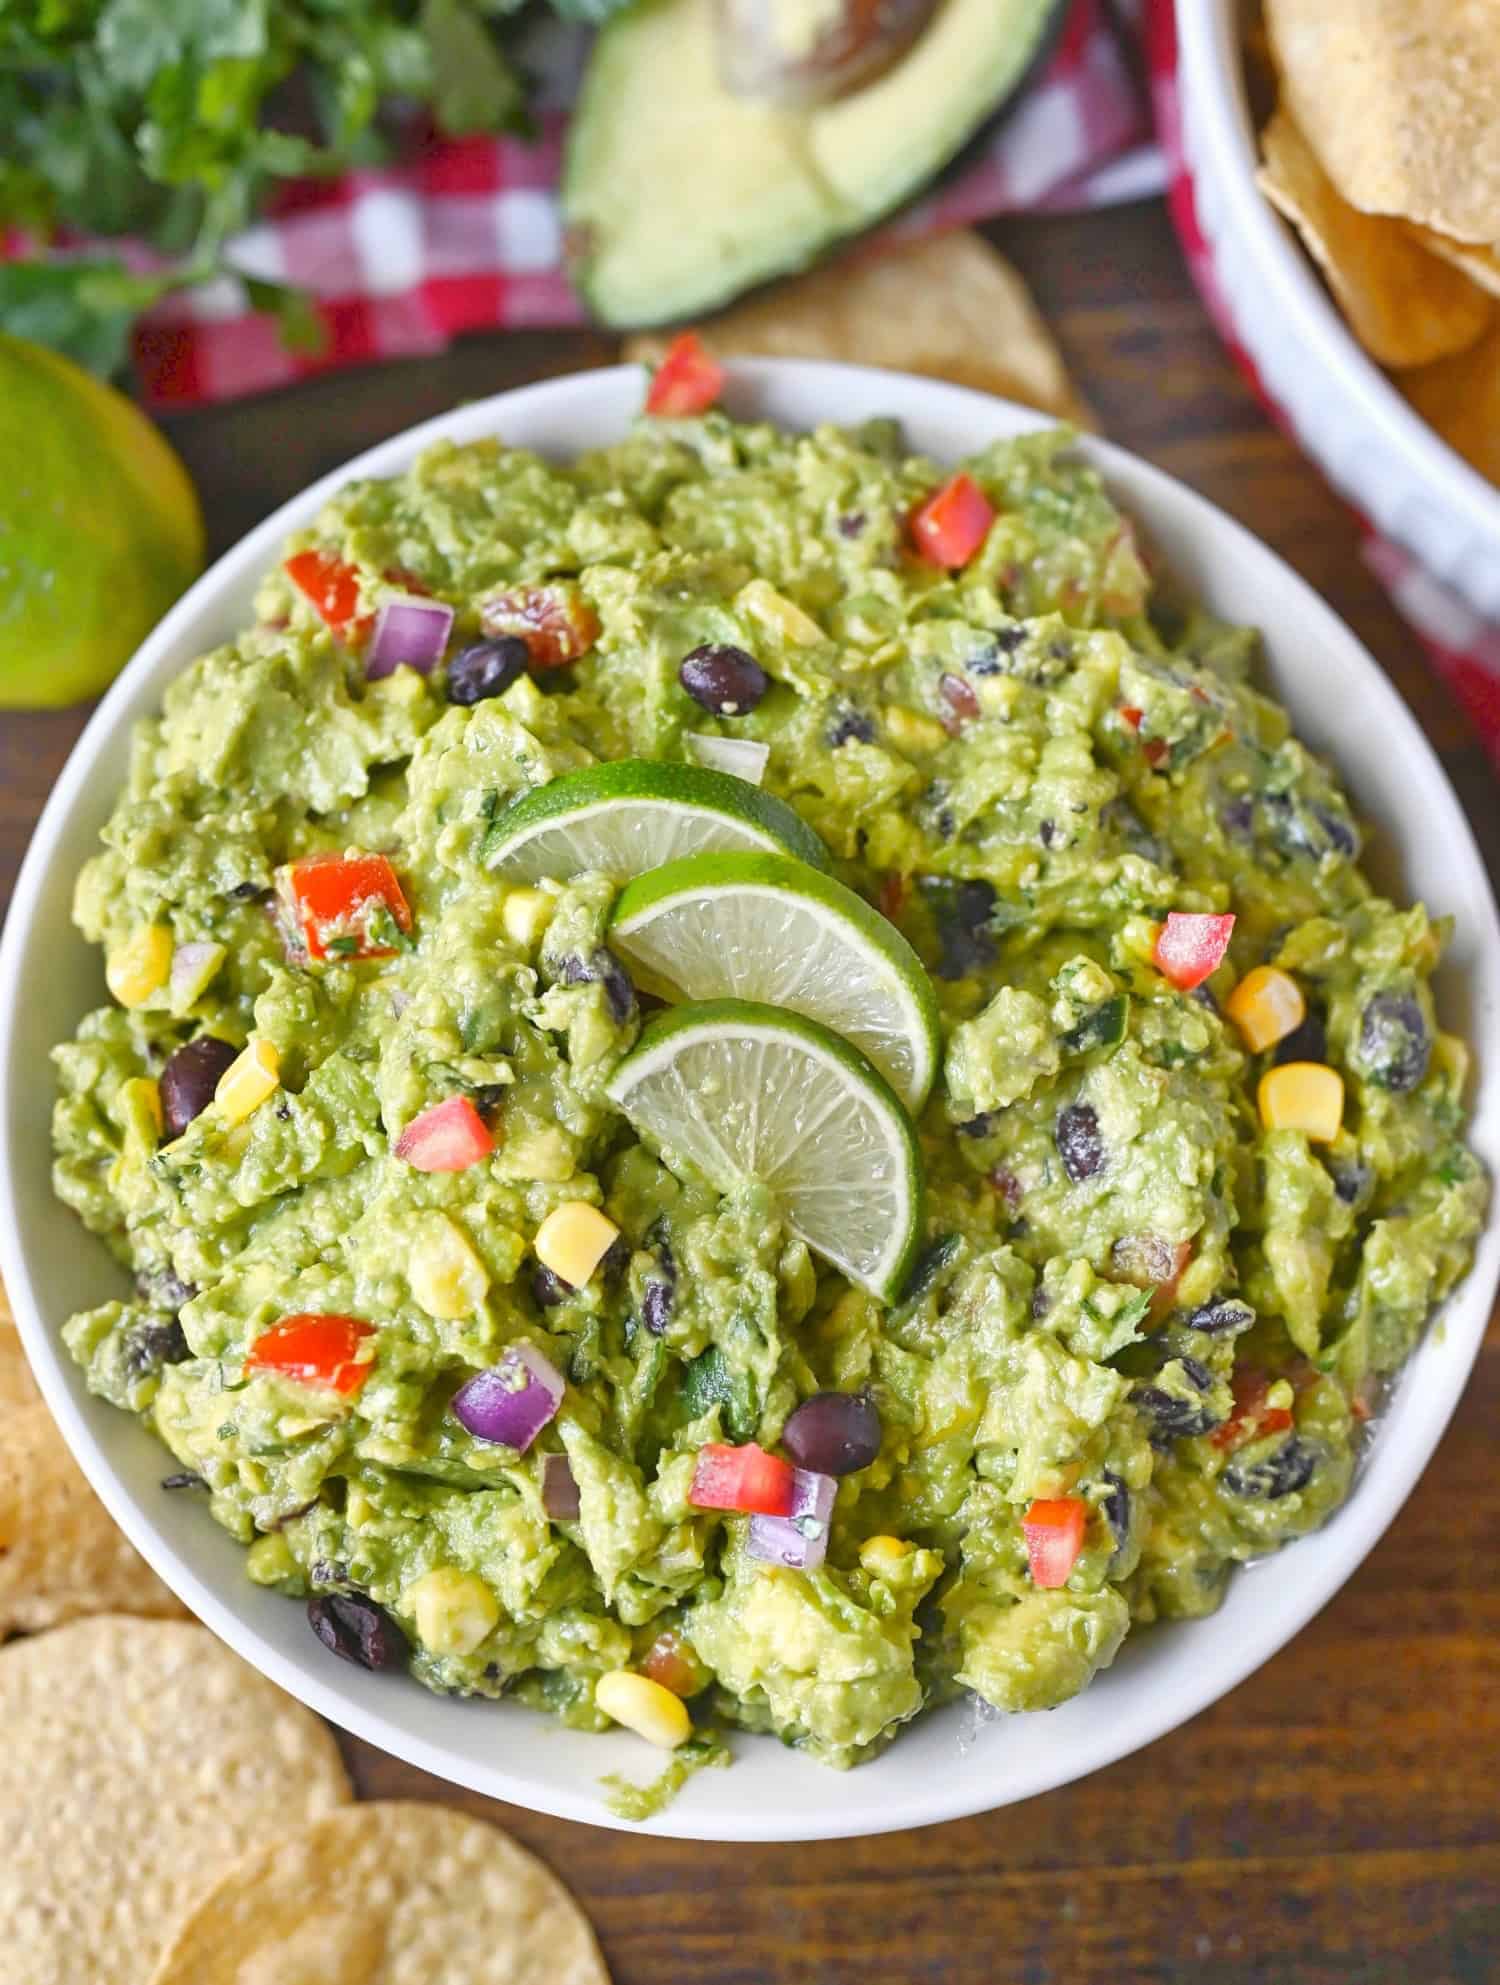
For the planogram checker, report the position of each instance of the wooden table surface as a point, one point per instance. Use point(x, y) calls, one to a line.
point(1334, 1820)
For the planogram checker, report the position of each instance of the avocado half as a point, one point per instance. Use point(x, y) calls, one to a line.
point(677, 195)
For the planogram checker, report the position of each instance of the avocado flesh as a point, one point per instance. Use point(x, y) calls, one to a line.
point(678, 195)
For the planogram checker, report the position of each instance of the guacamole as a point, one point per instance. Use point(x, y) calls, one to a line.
point(349, 1072)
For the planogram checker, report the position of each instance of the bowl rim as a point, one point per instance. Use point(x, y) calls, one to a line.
point(1211, 77)
point(1353, 1531)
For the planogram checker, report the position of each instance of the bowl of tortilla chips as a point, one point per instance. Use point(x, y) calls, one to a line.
point(1345, 165)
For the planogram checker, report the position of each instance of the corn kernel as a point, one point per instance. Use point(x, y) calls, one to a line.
point(908, 730)
point(573, 1240)
point(1266, 1006)
point(778, 614)
point(139, 967)
point(881, 1555)
point(525, 914)
point(447, 1278)
point(453, 1609)
point(645, 1707)
point(1305, 1096)
point(252, 1076)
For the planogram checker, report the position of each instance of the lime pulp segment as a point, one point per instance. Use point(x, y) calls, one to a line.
point(744, 1091)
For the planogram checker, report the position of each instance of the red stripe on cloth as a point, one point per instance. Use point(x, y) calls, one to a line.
point(464, 303)
point(166, 363)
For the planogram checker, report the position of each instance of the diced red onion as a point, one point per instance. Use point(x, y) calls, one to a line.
point(559, 1490)
point(742, 757)
point(512, 1401)
point(408, 633)
point(800, 1539)
point(189, 963)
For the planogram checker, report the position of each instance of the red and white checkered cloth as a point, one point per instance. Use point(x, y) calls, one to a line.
point(468, 234)
point(1464, 648)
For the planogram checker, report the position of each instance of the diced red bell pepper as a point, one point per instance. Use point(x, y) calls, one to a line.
point(672, 1664)
point(556, 622)
point(1130, 715)
point(687, 381)
point(332, 586)
point(953, 523)
point(1156, 751)
point(1252, 1419)
point(1189, 947)
point(742, 1478)
point(331, 899)
point(316, 1350)
point(449, 1137)
point(1054, 1537)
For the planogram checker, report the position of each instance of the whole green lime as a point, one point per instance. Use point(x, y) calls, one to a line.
point(100, 529)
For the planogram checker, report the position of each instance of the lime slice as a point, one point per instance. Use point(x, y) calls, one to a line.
point(744, 1091)
point(768, 928)
point(635, 814)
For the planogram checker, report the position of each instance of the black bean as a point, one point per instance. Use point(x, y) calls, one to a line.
point(357, 1630)
point(1041, 1302)
point(661, 1285)
point(1225, 1316)
point(1289, 1468)
point(964, 913)
point(1394, 1044)
point(851, 727)
point(615, 1259)
point(603, 966)
point(1307, 1042)
point(852, 525)
point(1008, 639)
point(1339, 832)
point(329, 1571)
point(547, 1288)
point(249, 892)
point(1351, 1182)
point(833, 1433)
point(1079, 1144)
point(164, 1289)
point(487, 668)
point(928, 1265)
point(979, 1126)
point(185, 1479)
point(154, 1345)
point(1237, 817)
point(724, 679)
point(1047, 833)
point(1116, 1505)
point(488, 1097)
point(1175, 1414)
point(189, 1080)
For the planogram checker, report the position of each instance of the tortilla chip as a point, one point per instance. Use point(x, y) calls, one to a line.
point(1460, 397)
point(62, 1555)
point(138, 1760)
point(387, 1895)
point(1480, 265)
point(17, 1386)
point(949, 307)
point(1404, 307)
point(1400, 100)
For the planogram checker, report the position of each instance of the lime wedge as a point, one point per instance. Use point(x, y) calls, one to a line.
point(635, 814)
point(766, 927)
point(744, 1091)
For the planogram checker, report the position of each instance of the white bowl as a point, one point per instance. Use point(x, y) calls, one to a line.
point(944, 1767)
point(1379, 454)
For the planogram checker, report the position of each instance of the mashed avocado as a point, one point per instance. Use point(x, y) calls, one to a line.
point(1151, 1315)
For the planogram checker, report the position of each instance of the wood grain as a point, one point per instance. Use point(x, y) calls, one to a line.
point(1334, 1820)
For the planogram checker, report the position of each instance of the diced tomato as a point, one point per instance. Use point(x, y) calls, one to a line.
point(742, 1478)
point(449, 1137)
point(687, 381)
point(892, 898)
point(556, 622)
point(332, 586)
point(1252, 1418)
point(398, 575)
point(317, 1350)
point(1130, 715)
point(1156, 751)
point(673, 1664)
point(1054, 1537)
point(953, 523)
point(331, 900)
point(1190, 947)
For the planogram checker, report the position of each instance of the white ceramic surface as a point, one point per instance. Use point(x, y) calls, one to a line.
point(944, 1767)
point(1373, 448)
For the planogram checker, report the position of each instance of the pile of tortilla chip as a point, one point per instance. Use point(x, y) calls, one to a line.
point(169, 1817)
point(1384, 153)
